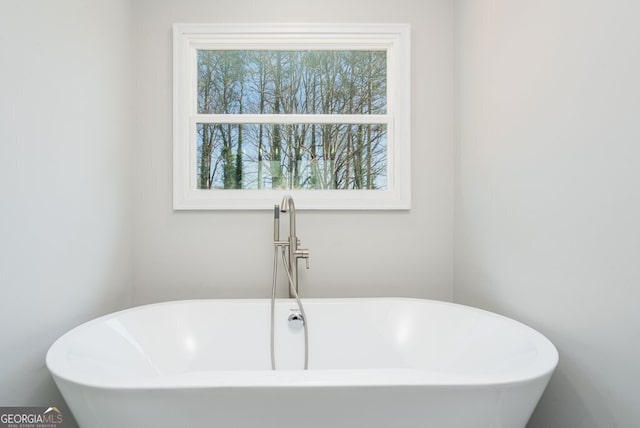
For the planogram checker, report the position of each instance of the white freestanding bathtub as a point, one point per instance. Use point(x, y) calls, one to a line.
point(372, 363)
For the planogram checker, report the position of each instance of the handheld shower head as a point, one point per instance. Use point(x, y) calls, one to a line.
point(276, 223)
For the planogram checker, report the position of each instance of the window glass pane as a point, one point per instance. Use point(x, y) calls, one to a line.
point(292, 82)
point(286, 156)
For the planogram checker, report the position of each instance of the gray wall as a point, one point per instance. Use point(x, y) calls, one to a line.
point(229, 254)
point(548, 190)
point(65, 245)
point(547, 179)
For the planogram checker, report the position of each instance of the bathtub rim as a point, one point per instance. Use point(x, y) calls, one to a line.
point(317, 377)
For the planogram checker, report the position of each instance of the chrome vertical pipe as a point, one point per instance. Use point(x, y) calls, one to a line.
point(288, 204)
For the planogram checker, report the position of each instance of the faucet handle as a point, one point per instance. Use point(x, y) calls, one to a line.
point(303, 253)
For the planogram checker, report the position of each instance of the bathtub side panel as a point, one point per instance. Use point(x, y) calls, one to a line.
point(314, 407)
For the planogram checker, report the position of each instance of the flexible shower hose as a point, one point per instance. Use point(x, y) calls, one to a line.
point(273, 304)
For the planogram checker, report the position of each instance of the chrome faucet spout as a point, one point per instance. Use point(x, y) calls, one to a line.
point(288, 204)
point(293, 243)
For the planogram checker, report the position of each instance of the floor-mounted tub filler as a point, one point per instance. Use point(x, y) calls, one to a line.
point(376, 362)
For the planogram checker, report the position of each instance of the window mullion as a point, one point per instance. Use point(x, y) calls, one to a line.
point(291, 118)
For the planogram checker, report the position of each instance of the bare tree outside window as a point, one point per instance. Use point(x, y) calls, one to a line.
point(305, 155)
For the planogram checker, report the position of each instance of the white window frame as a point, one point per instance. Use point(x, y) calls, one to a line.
point(394, 38)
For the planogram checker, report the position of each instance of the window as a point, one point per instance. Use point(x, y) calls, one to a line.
point(318, 111)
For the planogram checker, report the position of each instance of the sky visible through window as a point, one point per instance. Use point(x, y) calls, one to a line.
point(338, 154)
